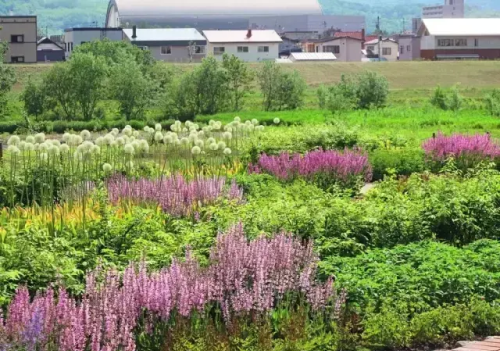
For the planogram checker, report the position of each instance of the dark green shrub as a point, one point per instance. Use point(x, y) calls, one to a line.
point(371, 90)
point(447, 99)
point(396, 161)
point(492, 102)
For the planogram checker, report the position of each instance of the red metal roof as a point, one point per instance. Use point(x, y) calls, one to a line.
point(356, 35)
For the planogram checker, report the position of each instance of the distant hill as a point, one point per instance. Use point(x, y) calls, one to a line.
point(55, 15)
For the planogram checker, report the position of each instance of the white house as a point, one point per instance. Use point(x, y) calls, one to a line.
point(249, 46)
point(460, 38)
point(388, 46)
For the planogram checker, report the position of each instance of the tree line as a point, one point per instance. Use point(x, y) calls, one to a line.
point(103, 71)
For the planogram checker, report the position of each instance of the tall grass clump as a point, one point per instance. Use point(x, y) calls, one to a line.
point(466, 150)
point(322, 167)
point(243, 280)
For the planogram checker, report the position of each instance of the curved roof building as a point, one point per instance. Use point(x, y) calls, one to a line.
point(203, 14)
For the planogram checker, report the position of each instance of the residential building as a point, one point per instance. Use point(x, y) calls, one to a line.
point(49, 51)
point(169, 44)
point(20, 33)
point(345, 49)
point(248, 45)
point(73, 37)
point(356, 35)
point(450, 9)
point(312, 56)
point(460, 38)
point(389, 49)
point(289, 45)
point(409, 47)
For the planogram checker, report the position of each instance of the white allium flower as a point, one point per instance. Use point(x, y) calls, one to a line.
point(44, 146)
point(30, 139)
point(64, 148)
point(217, 125)
point(36, 147)
point(168, 139)
point(109, 138)
point(127, 131)
point(30, 146)
point(173, 128)
point(135, 133)
point(199, 143)
point(211, 122)
point(237, 119)
point(107, 168)
point(53, 150)
point(201, 134)
point(227, 151)
point(114, 143)
point(100, 141)
point(276, 120)
point(184, 141)
point(227, 135)
point(206, 129)
point(87, 146)
point(66, 137)
point(255, 122)
point(44, 156)
point(158, 136)
point(259, 128)
point(55, 142)
point(143, 145)
point(158, 127)
point(120, 141)
point(211, 140)
point(14, 140)
point(115, 131)
point(193, 137)
point(13, 149)
point(80, 149)
point(213, 147)
point(85, 134)
point(184, 130)
point(129, 149)
point(250, 127)
point(248, 123)
point(22, 145)
point(221, 145)
point(145, 128)
point(177, 142)
point(95, 149)
point(196, 150)
point(39, 138)
point(78, 155)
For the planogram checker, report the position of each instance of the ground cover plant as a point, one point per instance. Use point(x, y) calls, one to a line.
point(170, 212)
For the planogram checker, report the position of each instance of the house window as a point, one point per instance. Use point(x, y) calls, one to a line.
point(408, 48)
point(219, 50)
point(17, 38)
point(65, 46)
point(371, 48)
point(17, 59)
point(460, 42)
point(401, 49)
point(166, 50)
point(332, 48)
point(445, 42)
point(387, 51)
point(263, 49)
point(70, 47)
point(476, 42)
point(242, 48)
point(199, 49)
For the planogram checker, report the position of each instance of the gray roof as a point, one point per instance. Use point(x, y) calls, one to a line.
point(165, 35)
point(149, 9)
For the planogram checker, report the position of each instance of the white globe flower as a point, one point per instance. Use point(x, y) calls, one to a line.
point(87, 146)
point(39, 138)
point(211, 122)
point(177, 142)
point(213, 147)
point(64, 148)
point(193, 137)
point(237, 119)
point(100, 141)
point(53, 150)
point(217, 125)
point(201, 134)
point(127, 131)
point(14, 140)
point(78, 155)
point(255, 122)
point(199, 143)
point(211, 140)
point(129, 149)
point(184, 141)
point(143, 145)
point(109, 138)
point(120, 141)
point(227, 135)
point(13, 149)
point(173, 128)
point(22, 145)
point(107, 168)
point(55, 142)
point(158, 127)
point(158, 136)
point(30, 139)
point(85, 134)
point(95, 149)
point(43, 146)
point(115, 131)
point(221, 145)
point(184, 130)
point(30, 147)
point(227, 151)
point(135, 133)
point(276, 120)
point(196, 150)
point(146, 128)
point(168, 139)
point(259, 128)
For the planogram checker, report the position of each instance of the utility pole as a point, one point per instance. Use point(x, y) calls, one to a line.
point(404, 25)
point(379, 32)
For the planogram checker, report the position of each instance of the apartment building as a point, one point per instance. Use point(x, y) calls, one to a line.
point(20, 34)
point(450, 9)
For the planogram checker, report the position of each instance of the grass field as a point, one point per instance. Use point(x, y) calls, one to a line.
point(401, 75)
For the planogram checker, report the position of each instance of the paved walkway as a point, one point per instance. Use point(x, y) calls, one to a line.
point(489, 344)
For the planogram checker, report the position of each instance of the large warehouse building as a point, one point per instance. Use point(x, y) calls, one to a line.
point(281, 15)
